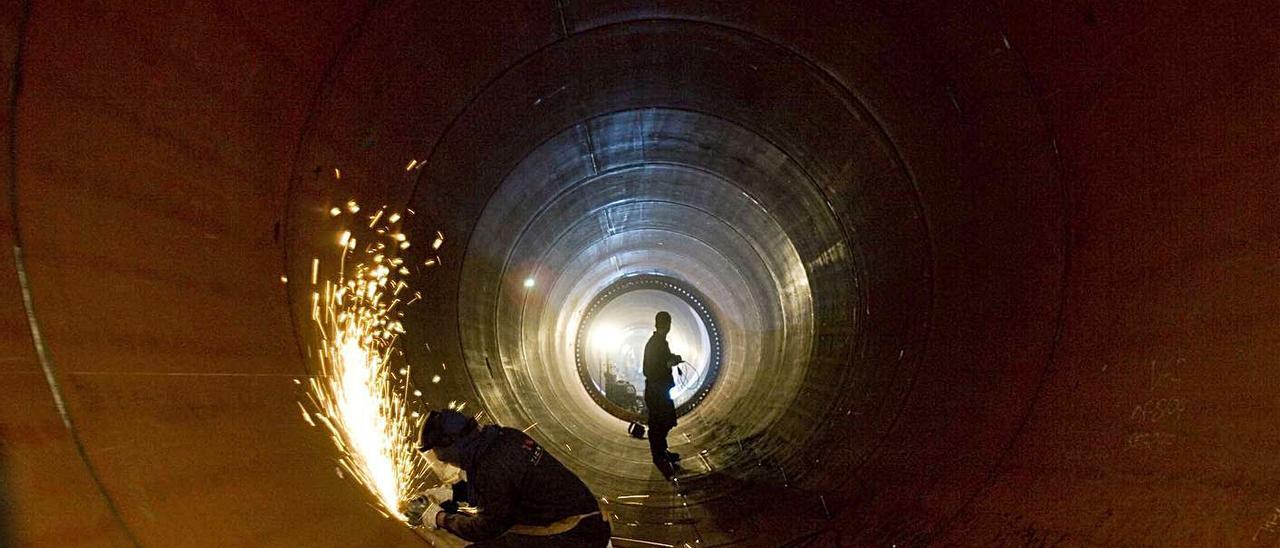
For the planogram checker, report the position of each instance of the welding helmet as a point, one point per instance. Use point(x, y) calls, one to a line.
point(443, 429)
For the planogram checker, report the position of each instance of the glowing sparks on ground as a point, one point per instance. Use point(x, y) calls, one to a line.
point(358, 397)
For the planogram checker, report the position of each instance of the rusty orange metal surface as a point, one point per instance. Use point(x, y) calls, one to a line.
point(1063, 213)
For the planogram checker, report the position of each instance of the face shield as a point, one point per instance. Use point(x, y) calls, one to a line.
point(437, 440)
point(447, 473)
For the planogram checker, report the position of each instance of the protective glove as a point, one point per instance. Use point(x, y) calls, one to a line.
point(422, 511)
point(429, 515)
point(445, 496)
point(414, 509)
point(439, 495)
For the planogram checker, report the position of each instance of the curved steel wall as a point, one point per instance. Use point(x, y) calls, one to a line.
point(1041, 314)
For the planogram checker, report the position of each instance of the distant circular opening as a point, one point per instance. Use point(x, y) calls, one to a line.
point(609, 346)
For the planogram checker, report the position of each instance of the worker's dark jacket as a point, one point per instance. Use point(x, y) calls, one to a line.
point(658, 382)
point(515, 481)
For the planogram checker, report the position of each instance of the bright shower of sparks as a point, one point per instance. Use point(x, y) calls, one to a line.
point(361, 395)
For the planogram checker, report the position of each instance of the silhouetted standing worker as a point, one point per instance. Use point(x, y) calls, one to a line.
point(658, 361)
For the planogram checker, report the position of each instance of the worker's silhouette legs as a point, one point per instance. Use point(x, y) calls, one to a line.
point(658, 443)
point(662, 418)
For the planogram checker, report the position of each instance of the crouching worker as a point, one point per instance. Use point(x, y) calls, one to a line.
point(514, 494)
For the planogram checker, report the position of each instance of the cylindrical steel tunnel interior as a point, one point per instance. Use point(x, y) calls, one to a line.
point(945, 273)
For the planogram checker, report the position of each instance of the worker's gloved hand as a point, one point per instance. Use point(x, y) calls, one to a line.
point(445, 497)
point(439, 495)
point(421, 511)
point(415, 508)
point(429, 515)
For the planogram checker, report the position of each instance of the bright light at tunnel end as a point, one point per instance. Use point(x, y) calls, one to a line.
point(614, 328)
